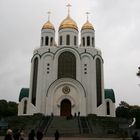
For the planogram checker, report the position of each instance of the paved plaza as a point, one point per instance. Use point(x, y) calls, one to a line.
point(72, 138)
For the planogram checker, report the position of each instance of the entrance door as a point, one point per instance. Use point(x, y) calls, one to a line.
point(65, 108)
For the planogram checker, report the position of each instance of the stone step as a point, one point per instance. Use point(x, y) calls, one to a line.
point(64, 126)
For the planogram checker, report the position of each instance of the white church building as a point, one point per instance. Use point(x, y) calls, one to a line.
point(67, 77)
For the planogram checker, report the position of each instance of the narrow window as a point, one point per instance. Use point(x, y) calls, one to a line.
point(51, 41)
point(47, 41)
point(60, 40)
point(83, 41)
point(25, 107)
point(88, 41)
point(75, 40)
point(93, 41)
point(108, 108)
point(98, 82)
point(68, 40)
point(41, 41)
point(34, 81)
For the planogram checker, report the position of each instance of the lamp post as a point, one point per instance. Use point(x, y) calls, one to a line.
point(138, 73)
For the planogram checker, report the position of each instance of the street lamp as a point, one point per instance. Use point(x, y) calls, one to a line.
point(138, 73)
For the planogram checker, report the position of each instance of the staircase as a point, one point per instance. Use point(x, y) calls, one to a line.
point(66, 127)
point(84, 125)
point(43, 124)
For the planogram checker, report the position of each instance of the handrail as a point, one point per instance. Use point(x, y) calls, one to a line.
point(48, 124)
point(79, 124)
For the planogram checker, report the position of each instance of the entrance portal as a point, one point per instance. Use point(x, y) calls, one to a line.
point(65, 109)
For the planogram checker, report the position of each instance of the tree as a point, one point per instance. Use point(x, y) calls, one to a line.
point(8, 108)
point(124, 110)
point(124, 104)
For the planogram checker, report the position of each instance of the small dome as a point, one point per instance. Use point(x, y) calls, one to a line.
point(87, 25)
point(48, 25)
point(68, 23)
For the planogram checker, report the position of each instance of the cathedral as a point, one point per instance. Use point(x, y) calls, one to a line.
point(67, 76)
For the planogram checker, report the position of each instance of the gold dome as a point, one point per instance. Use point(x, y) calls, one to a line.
point(87, 25)
point(48, 25)
point(68, 23)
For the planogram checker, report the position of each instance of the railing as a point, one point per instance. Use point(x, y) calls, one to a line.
point(43, 124)
point(48, 124)
point(79, 125)
point(84, 125)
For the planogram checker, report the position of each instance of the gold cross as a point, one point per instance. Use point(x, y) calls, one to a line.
point(87, 13)
point(49, 13)
point(68, 9)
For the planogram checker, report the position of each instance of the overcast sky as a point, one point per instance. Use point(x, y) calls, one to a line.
point(117, 26)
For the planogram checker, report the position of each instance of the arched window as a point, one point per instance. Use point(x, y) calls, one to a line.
point(98, 82)
point(93, 41)
point(60, 40)
point(42, 41)
point(47, 41)
point(51, 41)
point(83, 41)
point(25, 107)
point(88, 41)
point(75, 40)
point(34, 81)
point(67, 39)
point(107, 108)
point(67, 65)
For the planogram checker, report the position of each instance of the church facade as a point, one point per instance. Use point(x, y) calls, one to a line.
point(67, 78)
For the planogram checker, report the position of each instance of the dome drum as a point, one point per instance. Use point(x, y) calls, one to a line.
point(68, 37)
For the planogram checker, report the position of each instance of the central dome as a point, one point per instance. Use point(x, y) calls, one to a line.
point(68, 23)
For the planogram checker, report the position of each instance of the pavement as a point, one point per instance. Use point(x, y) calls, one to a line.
point(77, 138)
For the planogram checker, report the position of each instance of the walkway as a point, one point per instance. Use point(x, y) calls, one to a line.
point(51, 138)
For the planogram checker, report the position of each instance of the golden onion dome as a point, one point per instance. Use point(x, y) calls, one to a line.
point(48, 25)
point(87, 25)
point(68, 23)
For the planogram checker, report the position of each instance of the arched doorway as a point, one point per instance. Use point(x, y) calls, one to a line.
point(65, 109)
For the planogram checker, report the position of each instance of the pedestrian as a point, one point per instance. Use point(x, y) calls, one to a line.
point(39, 135)
point(56, 135)
point(31, 135)
point(21, 135)
point(9, 135)
point(16, 134)
point(135, 136)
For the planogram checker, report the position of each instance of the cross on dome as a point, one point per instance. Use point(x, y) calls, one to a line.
point(87, 25)
point(48, 24)
point(87, 13)
point(49, 13)
point(69, 5)
point(68, 22)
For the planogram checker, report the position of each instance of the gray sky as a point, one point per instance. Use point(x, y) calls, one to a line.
point(117, 25)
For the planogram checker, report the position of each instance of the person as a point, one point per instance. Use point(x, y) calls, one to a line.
point(16, 134)
point(31, 135)
point(39, 135)
point(56, 135)
point(21, 135)
point(135, 136)
point(9, 135)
